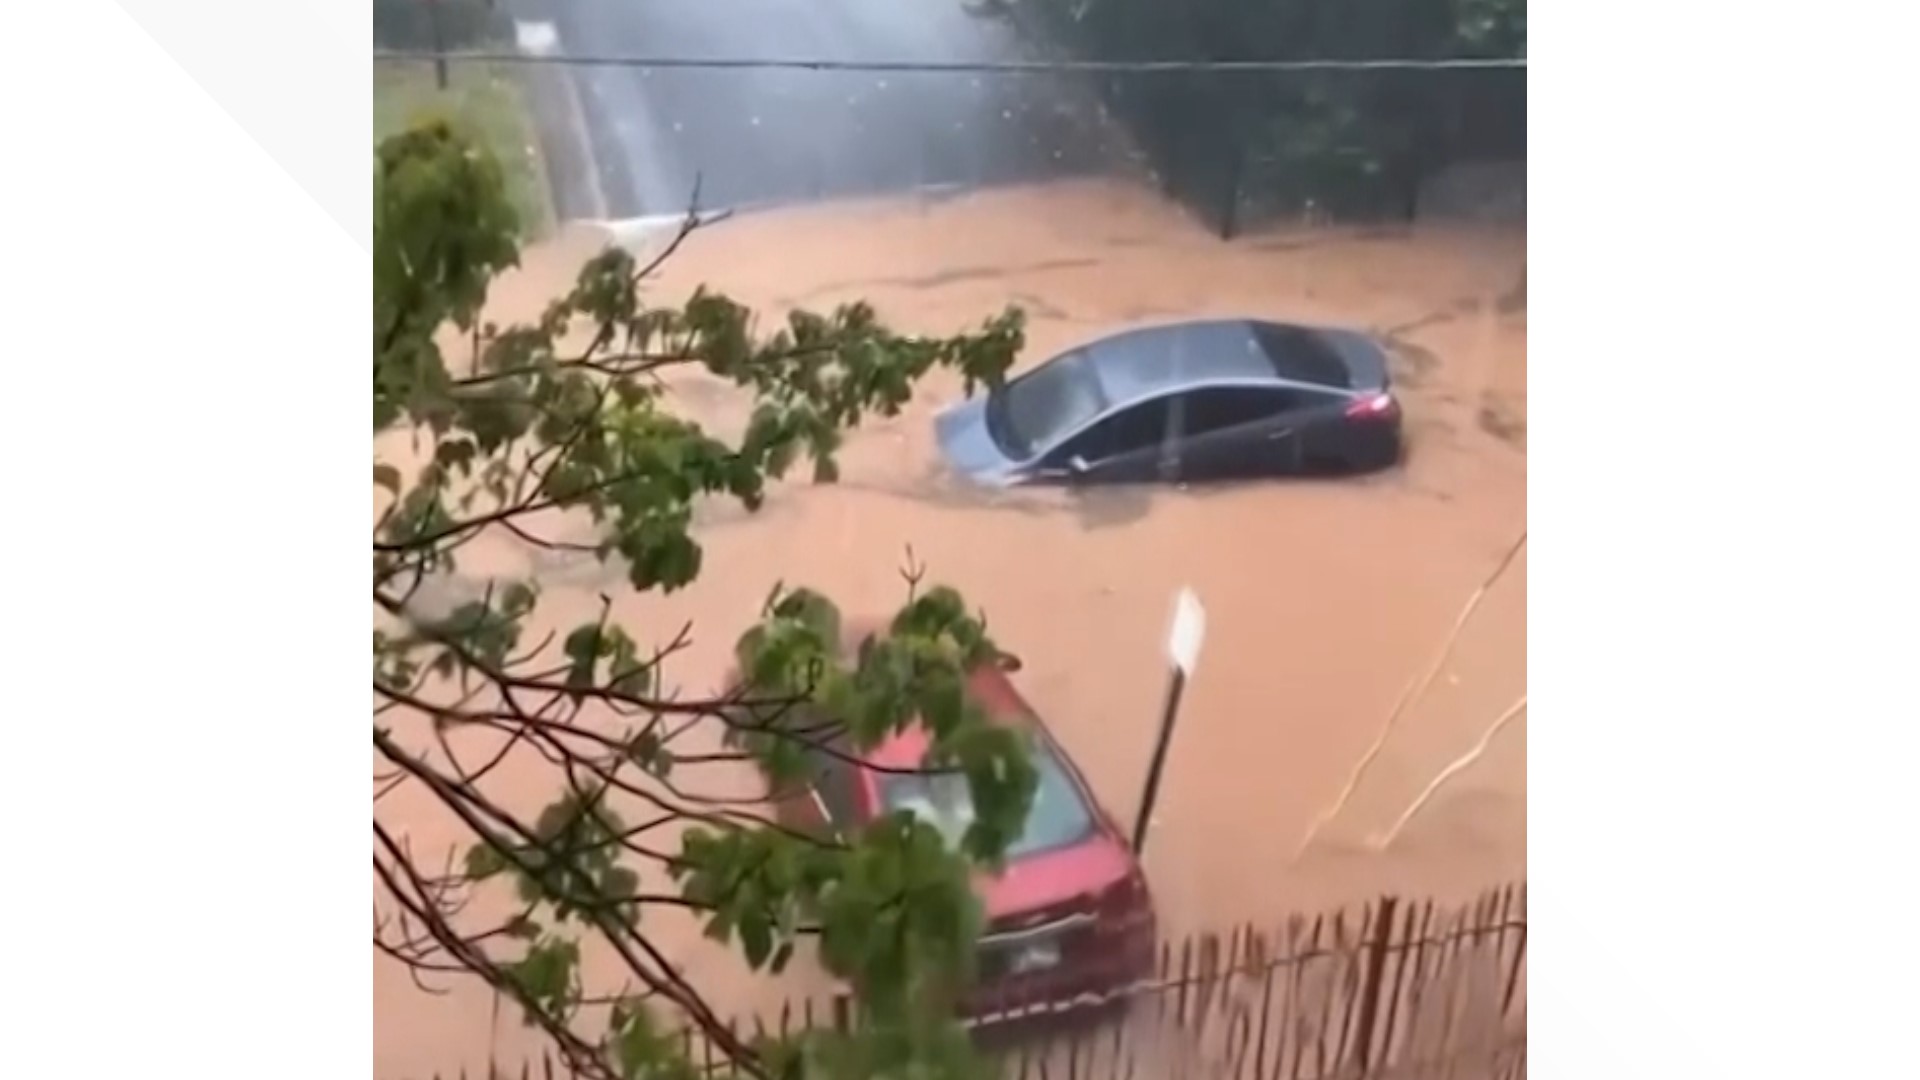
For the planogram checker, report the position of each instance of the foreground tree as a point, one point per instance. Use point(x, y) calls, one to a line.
point(565, 415)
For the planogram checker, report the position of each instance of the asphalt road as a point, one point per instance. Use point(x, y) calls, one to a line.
point(779, 136)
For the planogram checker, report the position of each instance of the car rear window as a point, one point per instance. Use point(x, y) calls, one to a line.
point(1301, 356)
point(1059, 818)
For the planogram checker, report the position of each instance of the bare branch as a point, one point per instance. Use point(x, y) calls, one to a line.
point(1384, 840)
point(1407, 697)
point(397, 868)
point(487, 821)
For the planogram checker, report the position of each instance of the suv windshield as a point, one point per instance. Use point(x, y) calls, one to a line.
point(1029, 413)
point(1059, 818)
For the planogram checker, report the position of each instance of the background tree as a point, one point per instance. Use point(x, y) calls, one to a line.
point(565, 413)
point(1355, 143)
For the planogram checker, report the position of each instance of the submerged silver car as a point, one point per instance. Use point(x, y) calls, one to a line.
point(1195, 401)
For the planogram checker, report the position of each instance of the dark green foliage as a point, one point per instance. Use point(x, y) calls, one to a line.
point(1353, 143)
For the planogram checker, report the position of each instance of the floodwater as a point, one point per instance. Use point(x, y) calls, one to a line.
point(1324, 599)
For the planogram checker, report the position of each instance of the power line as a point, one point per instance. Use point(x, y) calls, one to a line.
point(951, 67)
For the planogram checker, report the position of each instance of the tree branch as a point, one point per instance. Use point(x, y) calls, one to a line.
point(469, 806)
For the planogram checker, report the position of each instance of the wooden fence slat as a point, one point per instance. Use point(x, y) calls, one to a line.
point(1459, 984)
point(1483, 984)
point(1267, 966)
point(1519, 958)
point(1160, 983)
point(1433, 984)
point(1353, 970)
point(1288, 937)
point(1474, 978)
point(1301, 1015)
point(1206, 966)
point(1391, 989)
point(1373, 981)
point(1186, 974)
point(1419, 921)
point(1336, 1012)
point(1336, 976)
point(1489, 973)
point(1433, 960)
point(1460, 968)
point(1239, 1017)
point(1231, 969)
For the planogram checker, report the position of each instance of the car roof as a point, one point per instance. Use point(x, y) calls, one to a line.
point(990, 689)
point(1151, 360)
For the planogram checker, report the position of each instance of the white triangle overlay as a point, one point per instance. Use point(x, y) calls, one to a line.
point(295, 75)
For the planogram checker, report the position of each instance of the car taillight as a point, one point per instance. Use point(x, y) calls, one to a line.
point(1124, 900)
point(1370, 407)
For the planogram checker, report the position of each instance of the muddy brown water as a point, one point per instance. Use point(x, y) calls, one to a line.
point(1324, 598)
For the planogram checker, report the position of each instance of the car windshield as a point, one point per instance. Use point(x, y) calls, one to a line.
point(1028, 414)
point(1059, 817)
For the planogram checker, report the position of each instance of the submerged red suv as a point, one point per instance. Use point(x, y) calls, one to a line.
point(1070, 921)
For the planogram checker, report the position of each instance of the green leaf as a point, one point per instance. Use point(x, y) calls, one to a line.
point(517, 598)
point(583, 650)
point(638, 1046)
point(455, 454)
point(756, 938)
point(646, 747)
point(621, 882)
point(483, 862)
point(546, 974)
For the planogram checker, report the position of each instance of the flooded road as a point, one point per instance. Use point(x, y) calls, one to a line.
point(760, 135)
point(1324, 598)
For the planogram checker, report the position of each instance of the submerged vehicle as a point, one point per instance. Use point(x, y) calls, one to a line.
point(1185, 402)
